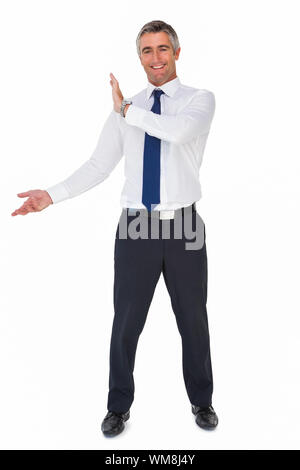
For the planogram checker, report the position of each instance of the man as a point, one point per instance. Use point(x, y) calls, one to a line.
point(162, 132)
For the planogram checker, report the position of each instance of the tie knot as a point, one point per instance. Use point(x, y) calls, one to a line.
point(157, 93)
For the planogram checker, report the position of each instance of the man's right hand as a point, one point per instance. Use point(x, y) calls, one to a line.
point(37, 201)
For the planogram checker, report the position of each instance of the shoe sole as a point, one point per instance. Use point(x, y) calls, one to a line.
point(207, 427)
point(113, 434)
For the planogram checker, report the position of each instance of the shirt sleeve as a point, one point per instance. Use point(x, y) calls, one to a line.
point(108, 152)
point(194, 120)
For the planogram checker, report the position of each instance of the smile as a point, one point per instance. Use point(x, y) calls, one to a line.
point(158, 67)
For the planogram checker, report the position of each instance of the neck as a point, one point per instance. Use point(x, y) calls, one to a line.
point(159, 84)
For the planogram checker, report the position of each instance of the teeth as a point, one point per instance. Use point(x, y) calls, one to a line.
point(160, 67)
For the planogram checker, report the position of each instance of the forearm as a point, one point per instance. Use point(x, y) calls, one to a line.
point(83, 179)
point(194, 120)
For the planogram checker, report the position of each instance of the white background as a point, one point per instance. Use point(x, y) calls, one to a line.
point(57, 265)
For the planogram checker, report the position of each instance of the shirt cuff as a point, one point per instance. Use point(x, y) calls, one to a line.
point(58, 192)
point(135, 115)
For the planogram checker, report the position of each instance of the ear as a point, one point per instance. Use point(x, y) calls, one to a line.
point(177, 53)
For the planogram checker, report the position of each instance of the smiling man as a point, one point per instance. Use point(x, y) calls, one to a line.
point(162, 132)
point(158, 58)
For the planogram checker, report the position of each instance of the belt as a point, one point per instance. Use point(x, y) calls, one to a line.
point(163, 214)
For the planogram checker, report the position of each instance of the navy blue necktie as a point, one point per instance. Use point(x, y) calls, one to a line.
point(151, 168)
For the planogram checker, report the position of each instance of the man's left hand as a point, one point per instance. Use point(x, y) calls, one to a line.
point(116, 93)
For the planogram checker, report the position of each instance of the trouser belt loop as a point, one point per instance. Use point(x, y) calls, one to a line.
point(185, 208)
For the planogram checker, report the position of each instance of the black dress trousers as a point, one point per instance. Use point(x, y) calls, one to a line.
point(138, 263)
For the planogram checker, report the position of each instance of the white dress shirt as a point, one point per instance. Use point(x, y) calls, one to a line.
point(183, 127)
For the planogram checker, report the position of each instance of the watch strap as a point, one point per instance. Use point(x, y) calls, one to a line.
point(124, 103)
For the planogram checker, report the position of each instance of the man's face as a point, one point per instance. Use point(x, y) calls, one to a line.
point(156, 50)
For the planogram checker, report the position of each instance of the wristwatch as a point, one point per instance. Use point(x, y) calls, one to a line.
point(124, 103)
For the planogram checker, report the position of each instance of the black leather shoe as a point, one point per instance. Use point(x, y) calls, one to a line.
point(206, 417)
point(113, 423)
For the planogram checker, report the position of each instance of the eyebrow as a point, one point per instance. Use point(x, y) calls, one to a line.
point(161, 45)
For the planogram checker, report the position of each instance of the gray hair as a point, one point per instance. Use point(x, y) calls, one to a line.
point(156, 27)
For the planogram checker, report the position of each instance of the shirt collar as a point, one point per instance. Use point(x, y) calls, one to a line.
point(168, 88)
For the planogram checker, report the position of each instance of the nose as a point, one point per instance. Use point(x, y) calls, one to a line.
point(156, 58)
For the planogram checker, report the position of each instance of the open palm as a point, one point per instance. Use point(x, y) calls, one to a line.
point(38, 200)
